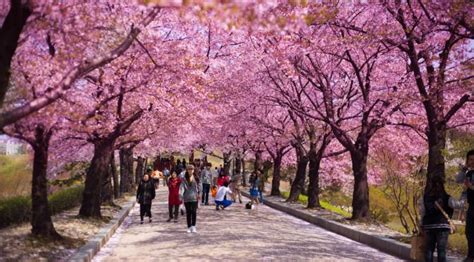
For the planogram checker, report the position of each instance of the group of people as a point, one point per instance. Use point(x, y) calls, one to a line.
point(187, 185)
point(438, 206)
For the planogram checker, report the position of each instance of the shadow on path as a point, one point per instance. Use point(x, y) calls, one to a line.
point(236, 234)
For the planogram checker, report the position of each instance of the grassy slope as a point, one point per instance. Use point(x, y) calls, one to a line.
point(15, 175)
point(326, 205)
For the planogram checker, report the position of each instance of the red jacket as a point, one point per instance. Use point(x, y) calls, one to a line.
point(173, 186)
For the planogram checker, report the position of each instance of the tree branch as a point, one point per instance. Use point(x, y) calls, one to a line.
point(85, 67)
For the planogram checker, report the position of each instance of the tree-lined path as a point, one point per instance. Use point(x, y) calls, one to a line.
point(233, 234)
point(362, 100)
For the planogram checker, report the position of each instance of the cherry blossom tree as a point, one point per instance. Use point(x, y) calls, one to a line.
point(436, 38)
point(74, 61)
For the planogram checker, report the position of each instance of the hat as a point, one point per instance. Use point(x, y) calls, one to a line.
point(189, 167)
point(148, 170)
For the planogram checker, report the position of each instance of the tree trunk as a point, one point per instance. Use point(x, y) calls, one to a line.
point(276, 175)
point(107, 193)
point(41, 222)
point(238, 165)
point(100, 165)
point(436, 146)
point(9, 35)
point(140, 170)
point(258, 165)
point(313, 174)
point(360, 197)
point(267, 165)
point(227, 162)
point(244, 175)
point(298, 183)
point(126, 169)
point(113, 169)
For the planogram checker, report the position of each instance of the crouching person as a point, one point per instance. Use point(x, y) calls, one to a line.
point(221, 193)
point(145, 195)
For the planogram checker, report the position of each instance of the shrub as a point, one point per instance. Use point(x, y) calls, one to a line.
point(380, 214)
point(17, 209)
point(65, 199)
point(14, 210)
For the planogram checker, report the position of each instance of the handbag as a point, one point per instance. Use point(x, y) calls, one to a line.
point(452, 227)
point(418, 247)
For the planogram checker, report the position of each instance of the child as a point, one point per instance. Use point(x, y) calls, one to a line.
point(145, 195)
point(220, 201)
point(174, 202)
point(214, 191)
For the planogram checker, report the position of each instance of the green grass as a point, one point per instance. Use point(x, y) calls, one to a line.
point(324, 204)
point(15, 175)
point(17, 209)
point(65, 199)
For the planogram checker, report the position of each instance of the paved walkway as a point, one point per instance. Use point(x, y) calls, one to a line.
point(235, 234)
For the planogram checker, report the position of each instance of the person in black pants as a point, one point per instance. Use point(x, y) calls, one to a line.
point(206, 178)
point(435, 224)
point(466, 176)
point(189, 193)
point(145, 195)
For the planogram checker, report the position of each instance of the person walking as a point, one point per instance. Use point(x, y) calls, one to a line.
point(155, 176)
point(145, 195)
point(235, 182)
point(166, 175)
point(174, 183)
point(206, 177)
point(466, 176)
point(215, 175)
point(436, 205)
point(253, 180)
point(178, 167)
point(220, 201)
point(189, 193)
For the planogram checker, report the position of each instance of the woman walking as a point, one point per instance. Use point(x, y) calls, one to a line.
point(174, 183)
point(235, 187)
point(437, 206)
point(145, 195)
point(189, 193)
point(254, 188)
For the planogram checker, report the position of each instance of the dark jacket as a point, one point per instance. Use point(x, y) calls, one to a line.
point(470, 192)
point(146, 192)
point(433, 218)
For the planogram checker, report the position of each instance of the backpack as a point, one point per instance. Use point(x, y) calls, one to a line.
point(248, 205)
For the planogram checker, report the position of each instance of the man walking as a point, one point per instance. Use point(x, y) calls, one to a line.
point(206, 178)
